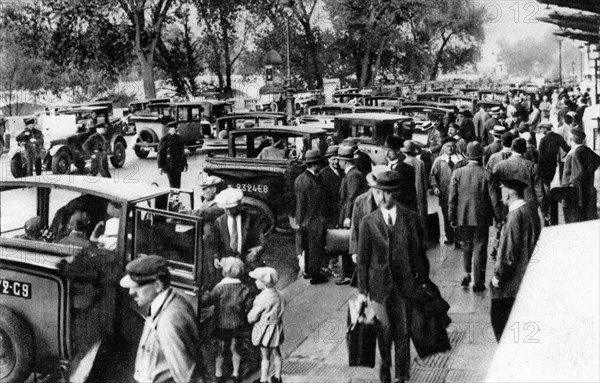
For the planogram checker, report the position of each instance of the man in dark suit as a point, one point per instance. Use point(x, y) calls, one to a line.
point(550, 146)
point(79, 223)
point(488, 126)
point(466, 131)
point(470, 209)
point(363, 161)
point(330, 179)
point(309, 217)
point(496, 145)
point(391, 263)
point(517, 243)
point(407, 194)
point(171, 156)
point(237, 233)
point(95, 146)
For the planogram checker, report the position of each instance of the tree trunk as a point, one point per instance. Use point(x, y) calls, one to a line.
point(364, 67)
point(377, 63)
point(438, 57)
point(226, 56)
point(314, 53)
point(147, 67)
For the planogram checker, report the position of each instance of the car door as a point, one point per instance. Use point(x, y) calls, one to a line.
point(189, 123)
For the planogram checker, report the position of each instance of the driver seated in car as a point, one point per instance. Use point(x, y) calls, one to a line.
point(274, 152)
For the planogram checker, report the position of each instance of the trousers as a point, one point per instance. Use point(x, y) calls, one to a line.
point(475, 244)
point(311, 240)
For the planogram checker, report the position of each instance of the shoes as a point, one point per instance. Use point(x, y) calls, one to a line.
point(220, 379)
point(236, 379)
point(318, 279)
point(275, 380)
point(449, 242)
point(478, 288)
point(343, 281)
point(457, 245)
point(466, 281)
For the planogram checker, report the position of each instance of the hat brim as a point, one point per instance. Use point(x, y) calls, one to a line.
point(127, 283)
point(346, 158)
point(230, 205)
point(475, 157)
point(374, 184)
point(312, 161)
point(416, 151)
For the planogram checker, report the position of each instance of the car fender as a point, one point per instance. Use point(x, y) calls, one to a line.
point(150, 132)
point(118, 138)
point(55, 149)
point(14, 151)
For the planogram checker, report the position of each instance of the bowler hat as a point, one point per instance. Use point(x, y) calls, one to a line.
point(229, 198)
point(33, 225)
point(578, 132)
point(495, 110)
point(147, 268)
point(448, 139)
point(389, 180)
point(172, 124)
point(474, 151)
point(332, 151)
point(513, 184)
point(346, 153)
point(410, 148)
point(498, 131)
point(267, 275)
point(394, 143)
point(312, 156)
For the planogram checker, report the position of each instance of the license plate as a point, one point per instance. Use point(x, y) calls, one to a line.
point(15, 288)
point(264, 189)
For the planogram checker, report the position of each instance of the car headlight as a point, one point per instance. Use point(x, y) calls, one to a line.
point(46, 145)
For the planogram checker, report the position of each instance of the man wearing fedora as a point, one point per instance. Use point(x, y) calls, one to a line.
point(407, 193)
point(353, 184)
point(330, 179)
point(411, 151)
point(496, 145)
point(517, 243)
point(237, 233)
point(391, 262)
point(550, 146)
point(488, 126)
point(171, 156)
point(466, 130)
point(470, 210)
point(169, 349)
point(362, 160)
point(310, 236)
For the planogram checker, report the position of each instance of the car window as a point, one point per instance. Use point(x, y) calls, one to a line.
point(17, 206)
point(196, 113)
point(182, 114)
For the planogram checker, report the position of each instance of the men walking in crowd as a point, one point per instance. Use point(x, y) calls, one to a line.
point(407, 193)
point(470, 210)
point(564, 129)
point(330, 179)
point(362, 160)
point(496, 145)
point(479, 121)
point(550, 147)
point(488, 126)
point(309, 217)
point(580, 165)
point(466, 130)
point(391, 261)
point(411, 151)
point(169, 349)
point(504, 153)
point(441, 174)
point(33, 140)
point(171, 156)
point(95, 146)
point(517, 243)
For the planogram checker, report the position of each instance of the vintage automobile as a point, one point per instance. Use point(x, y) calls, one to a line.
point(349, 98)
point(371, 130)
point(432, 96)
point(384, 101)
point(462, 102)
point(140, 108)
point(423, 117)
point(305, 100)
point(324, 114)
point(374, 109)
point(491, 94)
point(64, 135)
point(267, 182)
point(431, 104)
point(214, 109)
point(191, 127)
point(61, 306)
point(216, 144)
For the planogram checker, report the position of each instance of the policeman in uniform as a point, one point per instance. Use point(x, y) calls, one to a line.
point(171, 156)
point(33, 139)
point(95, 146)
point(169, 349)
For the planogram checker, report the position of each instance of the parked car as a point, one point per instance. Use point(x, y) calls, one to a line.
point(491, 94)
point(432, 96)
point(270, 102)
point(150, 129)
point(423, 117)
point(60, 305)
point(461, 102)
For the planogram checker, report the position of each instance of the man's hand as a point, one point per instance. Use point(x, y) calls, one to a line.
point(495, 282)
point(185, 169)
point(254, 252)
point(436, 190)
point(96, 232)
point(347, 223)
point(217, 263)
point(355, 258)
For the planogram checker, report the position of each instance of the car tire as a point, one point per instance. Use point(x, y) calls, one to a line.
point(1, 146)
point(139, 152)
point(118, 158)
point(16, 166)
point(61, 163)
point(274, 107)
point(18, 358)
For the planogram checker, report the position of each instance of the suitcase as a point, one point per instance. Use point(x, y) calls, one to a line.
point(433, 227)
point(361, 337)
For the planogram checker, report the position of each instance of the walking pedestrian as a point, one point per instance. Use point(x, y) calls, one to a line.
point(32, 139)
point(171, 156)
point(517, 243)
point(407, 193)
point(169, 349)
point(363, 161)
point(496, 145)
point(411, 151)
point(550, 146)
point(470, 210)
point(95, 146)
point(479, 121)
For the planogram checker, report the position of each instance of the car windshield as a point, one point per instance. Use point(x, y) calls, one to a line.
point(276, 146)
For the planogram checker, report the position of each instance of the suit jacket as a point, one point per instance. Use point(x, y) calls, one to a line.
point(330, 186)
point(517, 243)
point(363, 206)
point(479, 121)
point(486, 136)
point(490, 150)
point(171, 153)
point(517, 167)
point(550, 146)
point(579, 172)
point(407, 195)
point(309, 199)
point(252, 235)
point(467, 131)
point(470, 201)
point(363, 163)
point(387, 257)
point(420, 184)
point(353, 185)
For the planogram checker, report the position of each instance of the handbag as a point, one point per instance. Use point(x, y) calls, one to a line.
point(361, 336)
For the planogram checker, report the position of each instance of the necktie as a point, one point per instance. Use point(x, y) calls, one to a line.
point(450, 163)
point(390, 223)
point(233, 243)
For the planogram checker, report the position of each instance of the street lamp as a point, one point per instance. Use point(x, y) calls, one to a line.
point(289, 91)
point(581, 52)
point(559, 61)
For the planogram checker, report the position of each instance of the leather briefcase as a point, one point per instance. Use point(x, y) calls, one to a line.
point(361, 337)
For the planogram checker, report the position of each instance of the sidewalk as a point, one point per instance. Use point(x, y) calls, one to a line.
point(315, 328)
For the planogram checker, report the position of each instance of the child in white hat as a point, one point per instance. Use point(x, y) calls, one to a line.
point(267, 315)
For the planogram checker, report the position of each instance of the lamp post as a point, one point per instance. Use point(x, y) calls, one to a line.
point(560, 62)
point(581, 49)
point(289, 91)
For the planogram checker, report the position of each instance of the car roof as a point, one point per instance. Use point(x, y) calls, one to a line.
point(300, 129)
point(372, 116)
point(83, 109)
point(239, 116)
point(102, 187)
point(423, 108)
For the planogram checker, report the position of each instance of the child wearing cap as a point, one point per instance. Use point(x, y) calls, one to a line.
point(232, 301)
point(267, 315)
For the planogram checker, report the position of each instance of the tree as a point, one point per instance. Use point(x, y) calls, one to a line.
point(147, 18)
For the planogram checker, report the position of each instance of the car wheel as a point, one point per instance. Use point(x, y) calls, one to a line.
point(18, 348)
point(61, 163)
point(17, 167)
point(118, 158)
point(274, 107)
point(1, 147)
point(138, 151)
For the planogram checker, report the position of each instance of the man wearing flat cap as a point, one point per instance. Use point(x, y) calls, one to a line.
point(391, 262)
point(330, 179)
point(517, 242)
point(169, 349)
point(33, 140)
point(171, 156)
point(407, 194)
point(237, 233)
point(310, 234)
point(580, 165)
